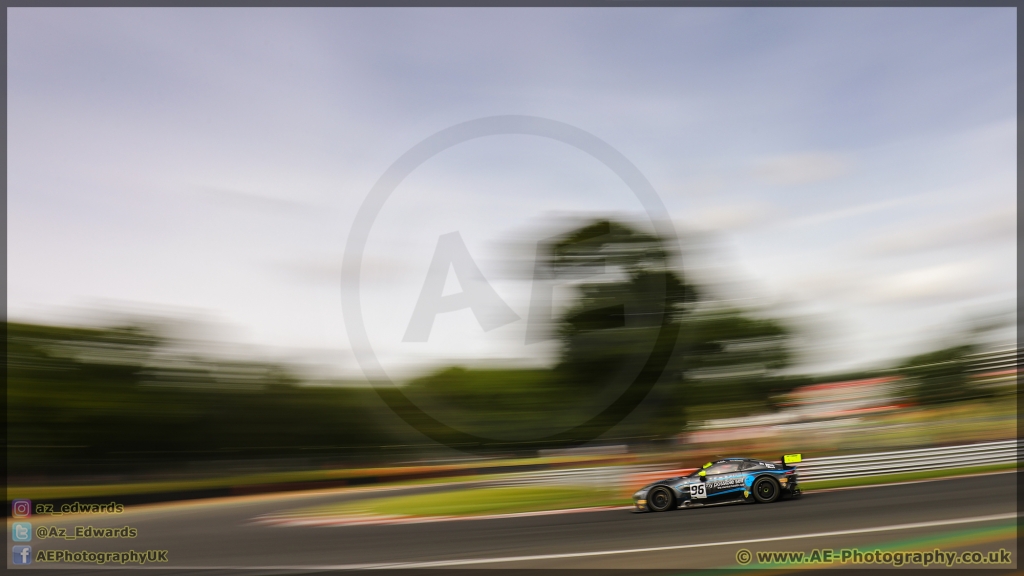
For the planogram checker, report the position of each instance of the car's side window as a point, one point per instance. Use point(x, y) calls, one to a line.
point(713, 469)
point(750, 465)
point(724, 467)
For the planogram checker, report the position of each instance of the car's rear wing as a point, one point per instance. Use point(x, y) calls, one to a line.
point(789, 459)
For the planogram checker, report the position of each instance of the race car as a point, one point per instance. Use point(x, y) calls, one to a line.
point(725, 481)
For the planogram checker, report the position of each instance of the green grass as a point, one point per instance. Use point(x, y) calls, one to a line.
point(118, 489)
point(269, 479)
point(476, 501)
point(809, 485)
point(43, 493)
point(508, 500)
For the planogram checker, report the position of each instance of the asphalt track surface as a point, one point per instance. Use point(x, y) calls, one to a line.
point(223, 534)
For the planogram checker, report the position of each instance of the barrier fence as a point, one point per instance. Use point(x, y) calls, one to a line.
point(942, 458)
point(811, 469)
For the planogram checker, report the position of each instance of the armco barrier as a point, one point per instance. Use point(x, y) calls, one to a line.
point(811, 469)
point(605, 476)
point(942, 458)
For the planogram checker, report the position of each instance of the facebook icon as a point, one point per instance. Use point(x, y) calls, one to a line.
point(22, 555)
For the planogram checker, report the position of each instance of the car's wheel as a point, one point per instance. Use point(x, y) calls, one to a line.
point(660, 499)
point(766, 490)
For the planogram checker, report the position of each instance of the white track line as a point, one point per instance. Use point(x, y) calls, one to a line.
point(510, 559)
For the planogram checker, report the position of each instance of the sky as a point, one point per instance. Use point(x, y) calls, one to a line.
point(851, 170)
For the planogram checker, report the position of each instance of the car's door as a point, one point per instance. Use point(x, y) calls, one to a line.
point(724, 480)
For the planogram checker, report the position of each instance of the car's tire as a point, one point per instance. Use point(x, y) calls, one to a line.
point(766, 490)
point(660, 499)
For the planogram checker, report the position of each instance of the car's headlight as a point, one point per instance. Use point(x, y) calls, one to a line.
point(640, 493)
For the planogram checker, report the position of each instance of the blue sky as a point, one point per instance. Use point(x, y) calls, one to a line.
point(855, 167)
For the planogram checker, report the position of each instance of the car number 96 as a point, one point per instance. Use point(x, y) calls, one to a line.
point(698, 491)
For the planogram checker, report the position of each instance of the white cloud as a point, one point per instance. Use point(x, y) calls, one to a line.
point(241, 198)
point(802, 168)
point(729, 217)
point(943, 282)
point(851, 211)
point(999, 225)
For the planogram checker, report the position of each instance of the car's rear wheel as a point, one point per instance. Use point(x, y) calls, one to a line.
point(660, 499)
point(766, 490)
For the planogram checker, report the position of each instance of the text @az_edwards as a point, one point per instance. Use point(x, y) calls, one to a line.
point(56, 532)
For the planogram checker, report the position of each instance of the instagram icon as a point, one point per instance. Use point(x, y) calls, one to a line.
point(21, 508)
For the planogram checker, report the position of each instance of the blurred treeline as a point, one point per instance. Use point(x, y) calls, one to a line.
point(112, 400)
point(124, 399)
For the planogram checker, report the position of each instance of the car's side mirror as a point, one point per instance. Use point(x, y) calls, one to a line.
point(703, 476)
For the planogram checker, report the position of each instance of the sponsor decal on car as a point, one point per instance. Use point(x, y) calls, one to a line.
point(727, 482)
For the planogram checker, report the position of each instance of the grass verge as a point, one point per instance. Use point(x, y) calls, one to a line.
point(510, 500)
point(557, 500)
point(428, 474)
point(389, 476)
point(475, 502)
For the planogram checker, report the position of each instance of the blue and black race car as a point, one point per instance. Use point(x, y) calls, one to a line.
point(723, 481)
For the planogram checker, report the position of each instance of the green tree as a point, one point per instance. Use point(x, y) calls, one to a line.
point(619, 335)
point(718, 355)
point(941, 376)
point(731, 356)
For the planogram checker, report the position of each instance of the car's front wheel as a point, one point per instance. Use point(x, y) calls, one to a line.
point(660, 499)
point(766, 490)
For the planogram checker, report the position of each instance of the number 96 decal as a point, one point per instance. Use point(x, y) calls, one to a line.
point(698, 491)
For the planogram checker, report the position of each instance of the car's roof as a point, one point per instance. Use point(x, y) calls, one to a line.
point(738, 458)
